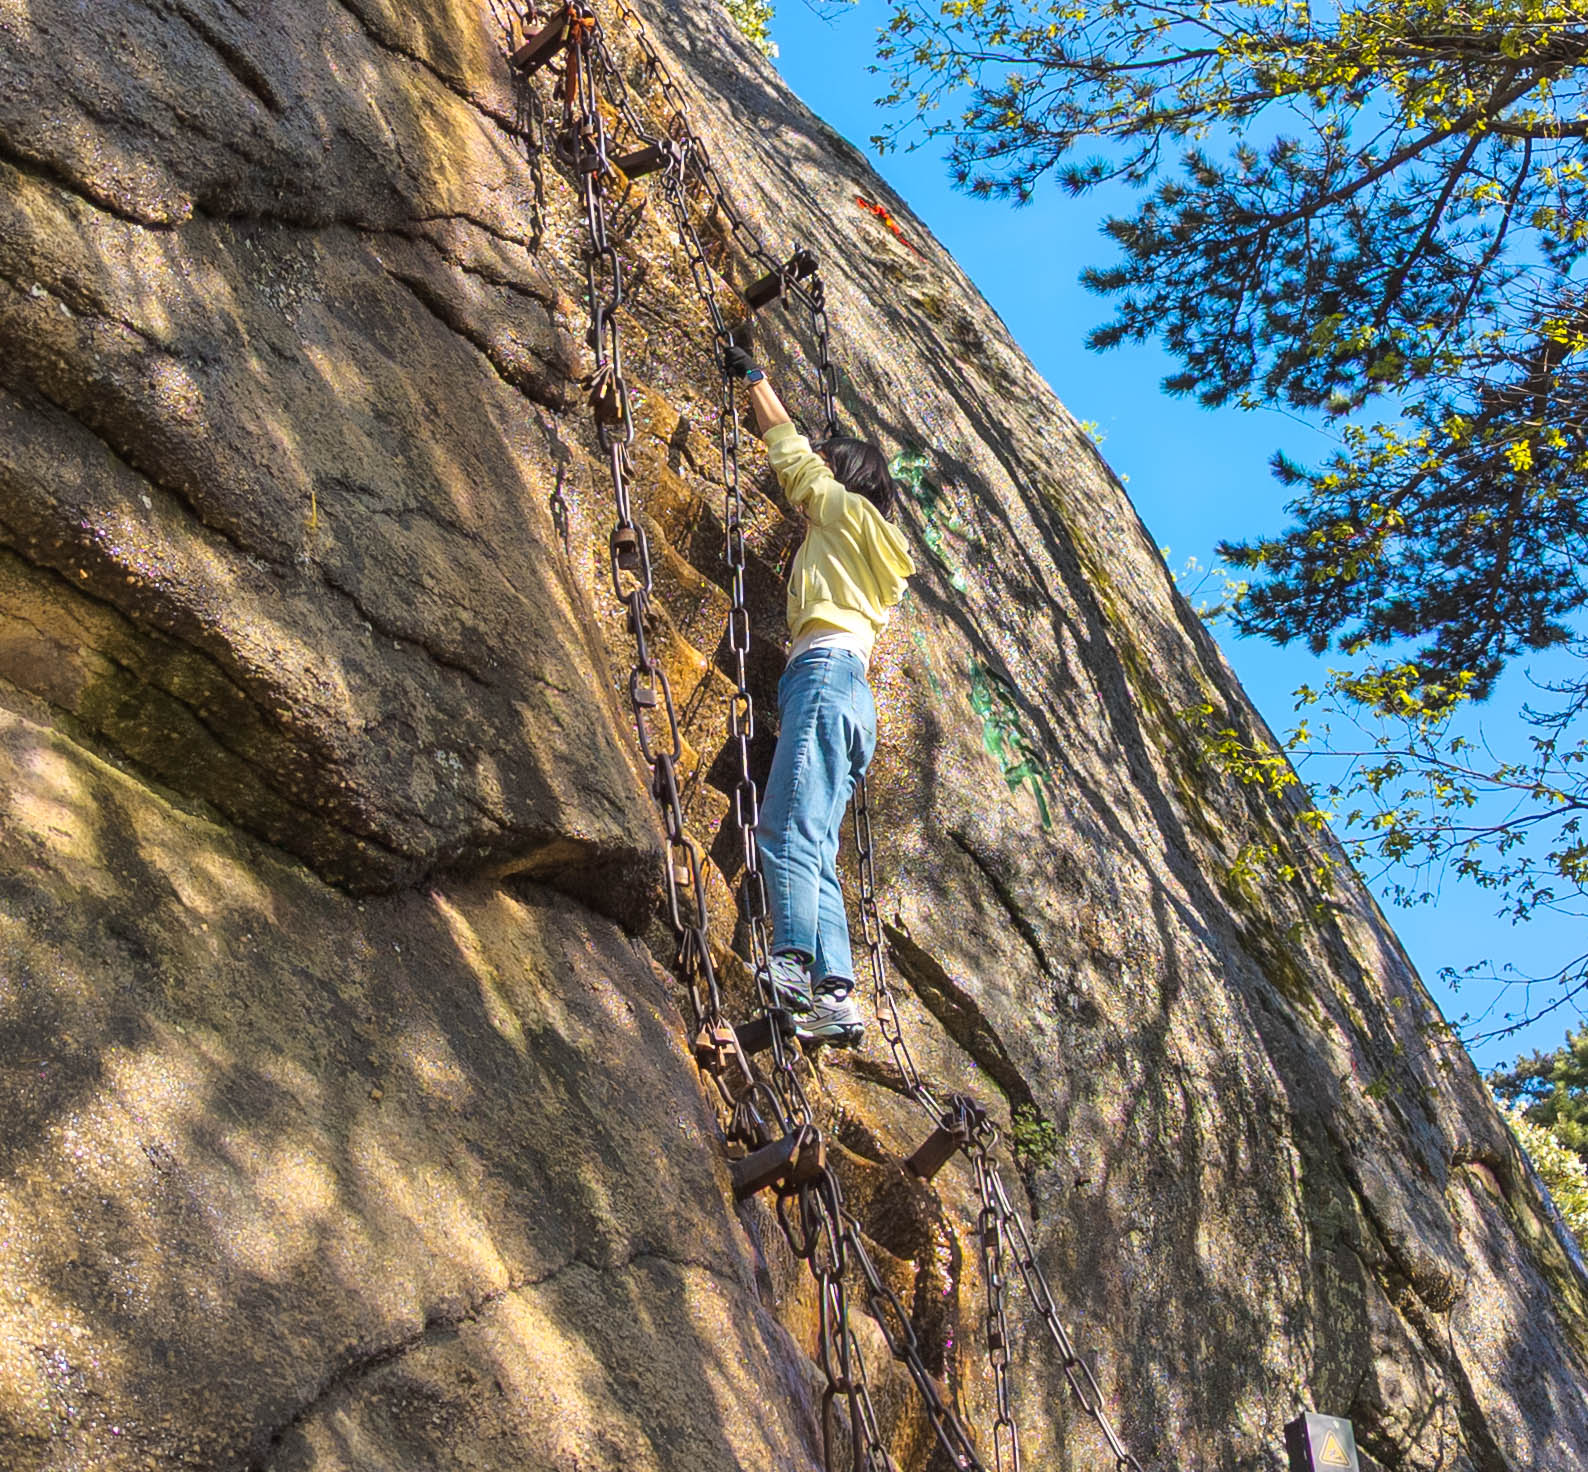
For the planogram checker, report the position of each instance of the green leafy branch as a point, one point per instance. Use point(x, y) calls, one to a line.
point(1210, 591)
point(1421, 800)
point(1255, 764)
point(1369, 202)
point(1560, 1168)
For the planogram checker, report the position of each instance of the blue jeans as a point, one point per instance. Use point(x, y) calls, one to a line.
point(828, 734)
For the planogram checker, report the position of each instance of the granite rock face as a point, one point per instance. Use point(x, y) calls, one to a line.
point(353, 1124)
point(271, 530)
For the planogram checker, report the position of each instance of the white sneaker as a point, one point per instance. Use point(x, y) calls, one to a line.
point(791, 981)
point(834, 1017)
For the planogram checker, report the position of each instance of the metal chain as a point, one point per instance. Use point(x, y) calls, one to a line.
point(806, 292)
point(1011, 1228)
point(745, 235)
point(886, 1009)
point(812, 295)
point(826, 1237)
point(583, 146)
point(964, 1118)
point(741, 704)
point(687, 151)
point(688, 156)
point(999, 1225)
point(823, 1219)
point(990, 1231)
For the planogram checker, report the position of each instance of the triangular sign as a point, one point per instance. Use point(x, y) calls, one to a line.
point(1333, 1454)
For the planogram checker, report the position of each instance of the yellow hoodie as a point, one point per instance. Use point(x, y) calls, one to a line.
point(851, 568)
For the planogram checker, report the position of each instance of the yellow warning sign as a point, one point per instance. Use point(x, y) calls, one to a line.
point(1332, 1453)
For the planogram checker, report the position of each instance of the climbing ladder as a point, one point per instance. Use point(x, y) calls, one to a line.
point(767, 1116)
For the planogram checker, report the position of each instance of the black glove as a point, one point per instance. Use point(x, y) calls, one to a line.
point(736, 362)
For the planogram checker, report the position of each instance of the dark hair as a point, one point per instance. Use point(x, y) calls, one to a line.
point(861, 468)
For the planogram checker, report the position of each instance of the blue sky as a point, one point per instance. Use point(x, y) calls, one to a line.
point(1195, 475)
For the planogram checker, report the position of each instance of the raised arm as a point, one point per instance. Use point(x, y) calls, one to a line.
point(764, 401)
point(803, 474)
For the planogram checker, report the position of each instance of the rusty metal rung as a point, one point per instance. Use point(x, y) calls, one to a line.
point(937, 1150)
point(756, 1036)
point(769, 288)
point(540, 47)
point(786, 1163)
point(644, 161)
point(764, 292)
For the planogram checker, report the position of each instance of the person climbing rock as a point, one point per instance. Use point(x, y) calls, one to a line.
point(847, 575)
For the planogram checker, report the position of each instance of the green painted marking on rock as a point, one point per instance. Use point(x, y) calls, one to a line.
point(910, 469)
point(1004, 735)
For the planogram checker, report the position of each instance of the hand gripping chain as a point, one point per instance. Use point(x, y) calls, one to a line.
point(769, 1116)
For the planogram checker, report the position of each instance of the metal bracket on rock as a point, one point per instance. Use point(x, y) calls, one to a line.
point(770, 287)
point(938, 1149)
point(541, 45)
point(794, 1161)
point(756, 1036)
point(961, 1122)
point(663, 154)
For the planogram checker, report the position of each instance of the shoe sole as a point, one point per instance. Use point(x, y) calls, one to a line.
point(845, 1035)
